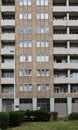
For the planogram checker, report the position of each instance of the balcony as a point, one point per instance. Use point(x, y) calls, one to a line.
point(8, 2)
point(8, 15)
point(7, 22)
point(8, 36)
point(60, 22)
point(73, 22)
point(73, 3)
point(74, 88)
point(7, 80)
point(65, 8)
point(7, 65)
point(62, 88)
point(65, 80)
point(7, 89)
point(8, 8)
point(65, 65)
point(65, 36)
point(58, 2)
point(6, 51)
point(71, 51)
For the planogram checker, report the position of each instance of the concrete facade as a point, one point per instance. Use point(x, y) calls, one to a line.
point(39, 55)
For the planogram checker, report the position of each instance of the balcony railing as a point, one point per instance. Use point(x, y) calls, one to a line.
point(8, 8)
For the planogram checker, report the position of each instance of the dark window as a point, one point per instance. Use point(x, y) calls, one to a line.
point(60, 100)
point(26, 100)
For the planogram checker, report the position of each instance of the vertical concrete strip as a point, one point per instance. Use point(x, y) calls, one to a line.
point(69, 105)
point(16, 104)
point(51, 104)
point(0, 104)
point(34, 103)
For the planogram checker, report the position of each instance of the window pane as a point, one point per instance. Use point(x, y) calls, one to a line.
point(21, 44)
point(21, 29)
point(25, 87)
point(20, 2)
point(46, 44)
point(42, 43)
point(30, 87)
point(25, 43)
point(21, 88)
point(25, 2)
point(46, 2)
point(42, 2)
point(29, 58)
point(29, 2)
point(38, 2)
point(37, 15)
point(38, 43)
point(42, 58)
point(29, 43)
point(46, 15)
point(42, 15)
point(46, 58)
point(29, 15)
point(21, 16)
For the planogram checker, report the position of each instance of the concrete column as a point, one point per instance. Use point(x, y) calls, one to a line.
point(68, 73)
point(68, 58)
point(69, 88)
point(68, 44)
point(34, 103)
point(69, 105)
point(67, 16)
point(68, 30)
point(16, 104)
point(0, 104)
point(67, 2)
point(51, 104)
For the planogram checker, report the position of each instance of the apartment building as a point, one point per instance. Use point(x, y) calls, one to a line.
point(39, 55)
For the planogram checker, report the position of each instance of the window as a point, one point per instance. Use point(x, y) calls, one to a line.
point(60, 45)
point(25, 44)
point(25, 72)
point(74, 74)
point(29, 2)
point(23, 15)
point(7, 89)
point(60, 88)
point(28, 29)
point(41, 2)
point(42, 58)
point(11, 90)
point(60, 100)
point(25, 87)
point(25, 58)
point(46, 2)
point(58, 74)
point(25, 29)
point(41, 15)
point(43, 87)
point(43, 72)
point(26, 100)
point(74, 88)
point(20, 2)
point(8, 45)
point(42, 43)
point(7, 74)
point(42, 29)
point(25, 2)
point(8, 61)
point(21, 29)
point(75, 100)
